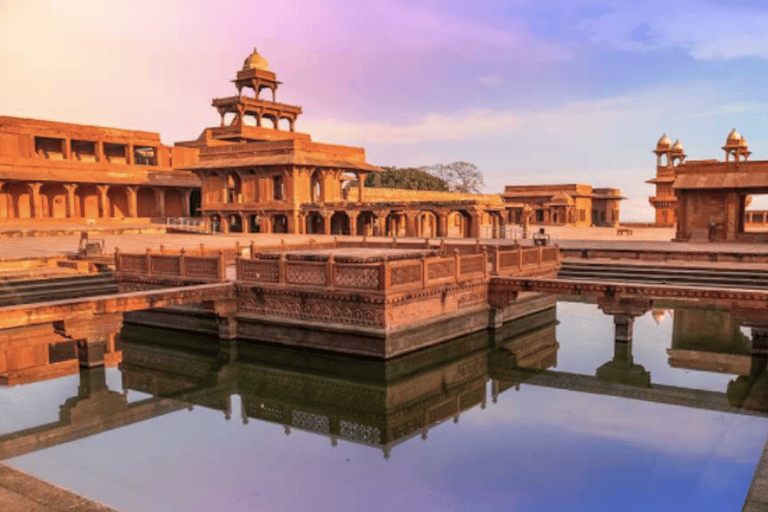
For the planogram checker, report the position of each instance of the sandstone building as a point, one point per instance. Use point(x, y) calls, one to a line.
point(63, 172)
point(564, 205)
point(259, 175)
point(712, 195)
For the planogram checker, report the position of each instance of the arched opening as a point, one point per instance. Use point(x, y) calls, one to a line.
point(54, 200)
point(284, 124)
point(459, 224)
point(174, 205)
point(280, 224)
point(19, 200)
point(316, 187)
point(268, 121)
point(315, 224)
point(249, 120)
point(366, 224)
point(235, 223)
point(194, 203)
point(87, 201)
point(426, 224)
point(234, 188)
point(340, 223)
point(216, 223)
point(145, 203)
point(395, 224)
point(253, 223)
point(229, 118)
point(267, 96)
point(118, 202)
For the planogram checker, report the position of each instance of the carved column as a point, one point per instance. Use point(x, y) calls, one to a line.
point(99, 150)
point(360, 187)
point(103, 201)
point(186, 206)
point(327, 222)
point(71, 210)
point(353, 223)
point(66, 146)
point(37, 203)
point(160, 201)
point(129, 154)
point(132, 201)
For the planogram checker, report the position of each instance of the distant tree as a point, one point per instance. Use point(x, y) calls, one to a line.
point(460, 176)
point(411, 178)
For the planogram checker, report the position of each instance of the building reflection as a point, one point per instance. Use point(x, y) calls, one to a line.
point(382, 404)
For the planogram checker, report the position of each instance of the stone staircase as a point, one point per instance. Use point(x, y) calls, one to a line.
point(743, 276)
point(27, 291)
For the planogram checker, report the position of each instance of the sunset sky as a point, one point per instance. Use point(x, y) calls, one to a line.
point(531, 92)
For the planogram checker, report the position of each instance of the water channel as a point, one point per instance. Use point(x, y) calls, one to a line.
point(558, 416)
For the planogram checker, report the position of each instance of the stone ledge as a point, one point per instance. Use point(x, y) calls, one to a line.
point(20, 491)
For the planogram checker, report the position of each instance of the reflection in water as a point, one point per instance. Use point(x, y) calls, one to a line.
point(384, 403)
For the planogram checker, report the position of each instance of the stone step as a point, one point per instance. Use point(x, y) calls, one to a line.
point(69, 293)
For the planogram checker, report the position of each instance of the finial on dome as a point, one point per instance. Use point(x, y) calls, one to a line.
point(256, 61)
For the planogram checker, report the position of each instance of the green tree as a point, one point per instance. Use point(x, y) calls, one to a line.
point(411, 178)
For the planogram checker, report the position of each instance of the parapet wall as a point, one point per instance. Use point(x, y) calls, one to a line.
point(387, 195)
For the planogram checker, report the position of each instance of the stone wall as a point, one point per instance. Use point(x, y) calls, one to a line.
point(385, 195)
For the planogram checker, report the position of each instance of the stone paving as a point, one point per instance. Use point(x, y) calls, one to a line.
point(20, 492)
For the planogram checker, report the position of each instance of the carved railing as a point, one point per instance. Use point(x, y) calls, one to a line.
point(180, 265)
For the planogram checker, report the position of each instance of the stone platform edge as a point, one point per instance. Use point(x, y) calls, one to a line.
point(20, 491)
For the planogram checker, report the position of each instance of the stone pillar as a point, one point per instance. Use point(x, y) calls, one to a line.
point(360, 187)
point(410, 224)
point(37, 202)
point(129, 154)
point(186, 206)
point(244, 222)
point(225, 311)
point(381, 222)
point(98, 150)
point(327, 222)
point(71, 210)
point(103, 201)
point(133, 207)
point(353, 223)
point(160, 201)
point(66, 148)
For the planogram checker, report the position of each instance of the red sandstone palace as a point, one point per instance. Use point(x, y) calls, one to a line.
point(707, 199)
point(252, 173)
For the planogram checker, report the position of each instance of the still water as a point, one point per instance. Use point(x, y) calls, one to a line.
point(512, 424)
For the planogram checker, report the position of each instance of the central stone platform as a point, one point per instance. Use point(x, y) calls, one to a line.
point(378, 300)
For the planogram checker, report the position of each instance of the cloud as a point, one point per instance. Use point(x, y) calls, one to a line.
point(705, 30)
point(490, 80)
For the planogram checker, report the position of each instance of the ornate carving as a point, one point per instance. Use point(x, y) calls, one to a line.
point(263, 271)
point(471, 264)
point(405, 274)
point(296, 309)
point(471, 300)
point(165, 265)
point(531, 257)
point(310, 421)
point(441, 269)
point(360, 433)
point(202, 266)
point(305, 274)
point(357, 277)
point(134, 263)
point(509, 259)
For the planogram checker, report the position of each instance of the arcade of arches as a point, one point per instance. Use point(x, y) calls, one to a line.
point(51, 200)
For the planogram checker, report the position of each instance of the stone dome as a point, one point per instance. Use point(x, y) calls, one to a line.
point(663, 143)
point(256, 61)
point(744, 143)
point(678, 147)
point(734, 138)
